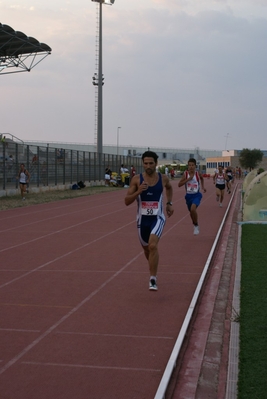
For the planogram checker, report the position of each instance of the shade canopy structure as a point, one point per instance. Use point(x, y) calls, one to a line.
point(19, 52)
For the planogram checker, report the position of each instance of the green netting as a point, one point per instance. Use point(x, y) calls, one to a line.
point(255, 199)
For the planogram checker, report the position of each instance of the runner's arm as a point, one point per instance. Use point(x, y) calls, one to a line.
point(168, 188)
point(184, 180)
point(134, 190)
point(169, 194)
point(202, 181)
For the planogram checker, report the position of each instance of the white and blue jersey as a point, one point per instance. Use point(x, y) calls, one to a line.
point(192, 188)
point(150, 215)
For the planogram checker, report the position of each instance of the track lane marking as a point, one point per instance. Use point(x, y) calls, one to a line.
point(36, 306)
point(114, 335)
point(92, 366)
point(66, 316)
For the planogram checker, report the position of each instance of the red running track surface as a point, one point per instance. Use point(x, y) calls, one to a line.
point(76, 317)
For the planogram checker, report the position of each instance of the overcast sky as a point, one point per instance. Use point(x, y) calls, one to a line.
point(182, 73)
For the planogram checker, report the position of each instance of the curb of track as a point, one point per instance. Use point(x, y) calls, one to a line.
point(162, 388)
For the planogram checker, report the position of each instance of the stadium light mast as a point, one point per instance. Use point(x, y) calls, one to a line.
point(99, 80)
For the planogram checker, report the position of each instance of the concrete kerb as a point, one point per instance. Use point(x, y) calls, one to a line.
point(171, 365)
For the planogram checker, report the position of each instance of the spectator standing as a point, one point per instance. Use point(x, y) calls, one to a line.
point(24, 179)
point(34, 159)
point(123, 169)
point(133, 171)
point(108, 174)
point(167, 171)
point(4, 142)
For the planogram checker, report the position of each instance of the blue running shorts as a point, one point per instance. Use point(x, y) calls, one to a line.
point(150, 225)
point(193, 199)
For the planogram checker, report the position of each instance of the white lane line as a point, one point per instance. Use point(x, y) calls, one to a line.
point(19, 330)
point(57, 231)
point(61, 215)
point(18, 211)
point(83, 246)
point(62, 271)
point(30, 305)
point(67, 315)
point(63, 256)
point(113, 335)
point(92, 366)
point(19, 227)
point(52, 328)
point(93, 271)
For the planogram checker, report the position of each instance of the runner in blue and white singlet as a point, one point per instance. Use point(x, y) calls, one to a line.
point(147, 190)
point(150, 215)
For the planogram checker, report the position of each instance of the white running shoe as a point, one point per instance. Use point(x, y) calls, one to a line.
point(196, 230)
point(153, 284)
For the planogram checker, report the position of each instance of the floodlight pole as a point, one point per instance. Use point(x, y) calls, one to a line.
point(100, 80)
point(118, 130)
point(100, 87)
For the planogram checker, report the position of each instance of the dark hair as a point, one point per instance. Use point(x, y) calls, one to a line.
point(192, 160)
point(220, 166)
point(150, 154)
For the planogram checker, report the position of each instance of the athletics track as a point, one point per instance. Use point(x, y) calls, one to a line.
point(77, 318)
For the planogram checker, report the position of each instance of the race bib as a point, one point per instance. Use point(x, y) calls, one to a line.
point(149, 208)
point(192, 187)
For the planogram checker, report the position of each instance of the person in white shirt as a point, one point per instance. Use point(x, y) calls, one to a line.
point(193, 181)
point(24, 178)
point(167, 171)
point(219, 180)
point(123, 169)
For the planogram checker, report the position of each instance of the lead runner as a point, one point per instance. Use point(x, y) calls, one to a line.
point(147, 189)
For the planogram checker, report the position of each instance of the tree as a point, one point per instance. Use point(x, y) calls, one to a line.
point(249, 159)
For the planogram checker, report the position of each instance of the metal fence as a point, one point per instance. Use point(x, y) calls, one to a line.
point(52, 166)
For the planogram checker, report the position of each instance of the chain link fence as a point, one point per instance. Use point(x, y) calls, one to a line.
point(53, 166)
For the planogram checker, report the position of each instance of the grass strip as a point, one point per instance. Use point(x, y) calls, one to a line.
point(252, 382)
